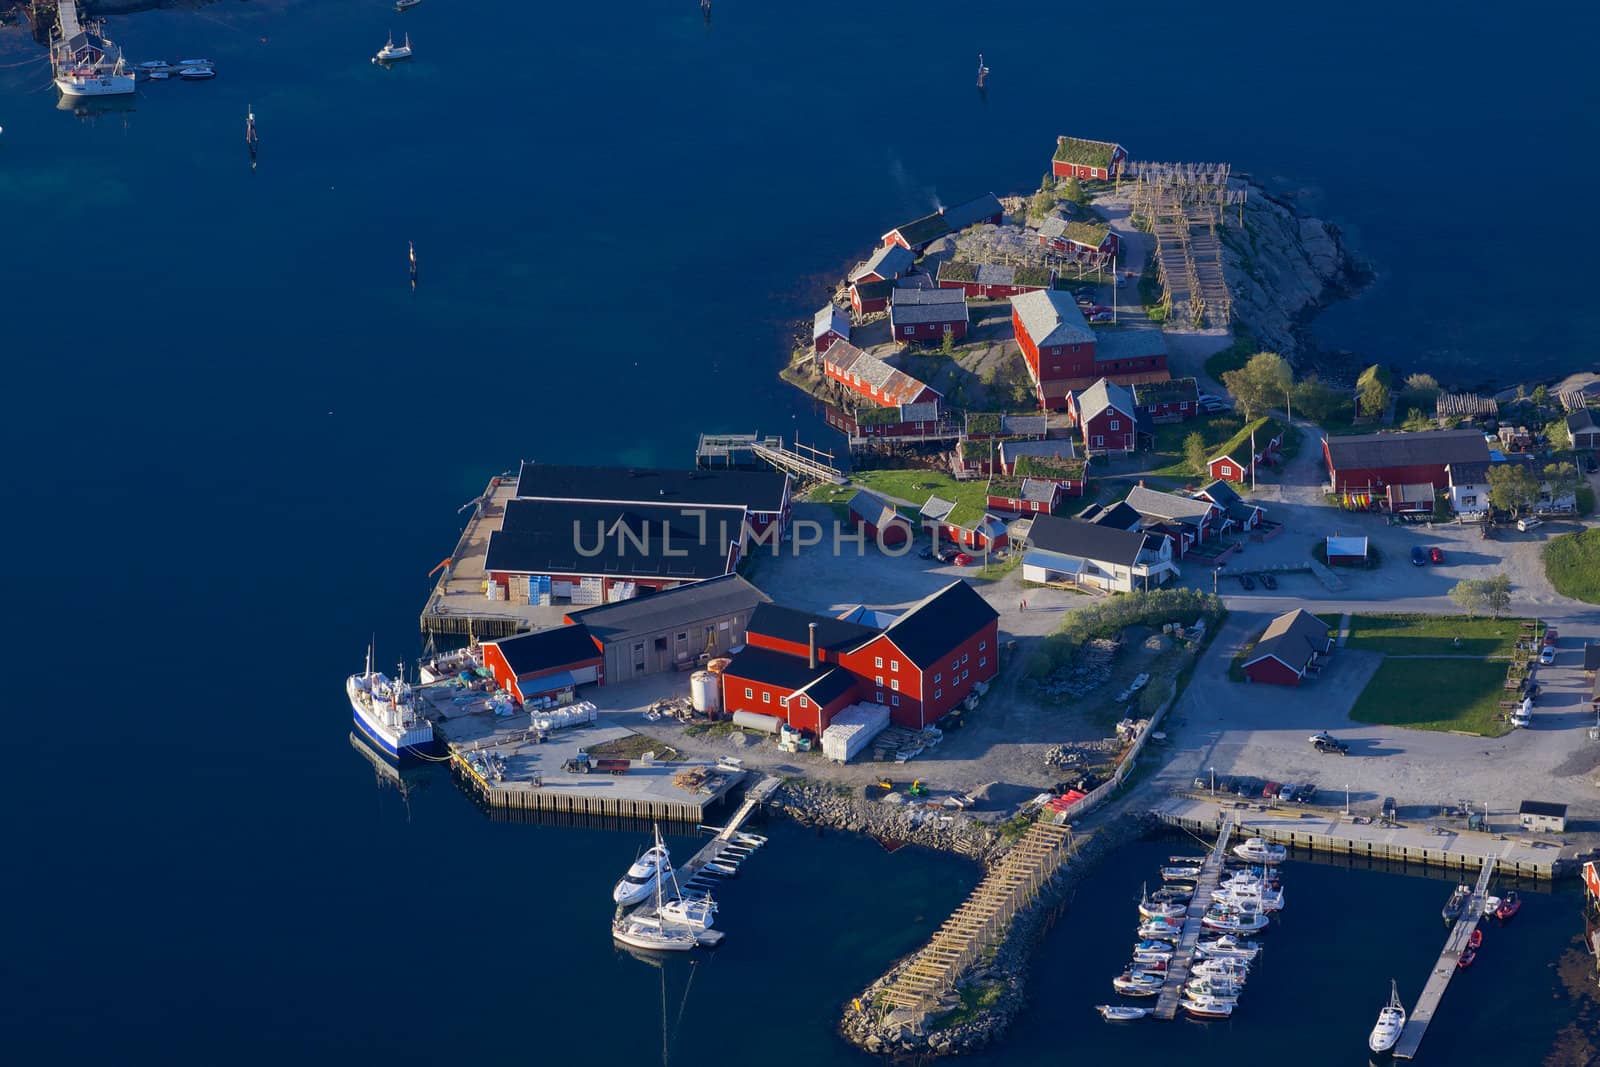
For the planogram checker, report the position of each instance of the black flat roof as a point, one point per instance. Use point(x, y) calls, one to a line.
point(1543, 807)
point(1086, 540)
point(617, 540)
point(545, 650)
point(934, 626)
point(775, 668)
point(788, 624)
point(756, 490)
point(683, 606)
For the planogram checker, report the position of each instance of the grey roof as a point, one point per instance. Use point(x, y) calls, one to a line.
point(923, 411)
point(764, 491)
point(1101, 395)
point(667, 541)
point(936, 508)
point(1039, 490)
point(1581, 421)
point(830, 317)
point(1153, 504)
point(907, 306)
point(874, 509)
point(1052, 317)
point(974, 211)
point(1292, 639)
point(1123, 343)
point(886, 261)
point(1087, 540)
point(1468, 473)
point(1054, 225)
point(685, 605)
point(1375, 450)
point(543, 650)
point(850, 361)
point(1063, 448)
point(936, 625)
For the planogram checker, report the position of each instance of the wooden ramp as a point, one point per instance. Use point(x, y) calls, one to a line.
point(807, 467)
point(982, 920)
point(1183, 958)
point(1445, 969)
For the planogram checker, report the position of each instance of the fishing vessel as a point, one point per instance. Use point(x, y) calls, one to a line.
point(88, 64)
point(1234, 921)
point(1391, 1021)
point(657, 933)
point(1136, 984)
point(644, 876)
point(385, 711)
point(1509, 906)
point(1203, 1007)
point(1227, 947)
point(392, 53)
point(1162, 909)
point(1257, 850)
point(1457, 903)
point(1120, 1012)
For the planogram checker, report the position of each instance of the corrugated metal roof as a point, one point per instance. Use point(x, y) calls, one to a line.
point(974, 211)
point(916, 306)
point(1153, 504)
point(830, 317)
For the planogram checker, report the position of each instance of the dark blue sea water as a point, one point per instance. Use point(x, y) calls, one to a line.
point(236, 440)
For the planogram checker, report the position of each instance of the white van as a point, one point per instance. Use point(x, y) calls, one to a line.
point(1529, 524)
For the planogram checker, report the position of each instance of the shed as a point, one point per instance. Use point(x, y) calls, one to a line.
point(1583, 429)
point(828, 325)
point(545, 662)
point(1347, 551)
point(878, 519)
point(1539, 816)
point(1289, 648)
point(672, 630)
point(1415, 499)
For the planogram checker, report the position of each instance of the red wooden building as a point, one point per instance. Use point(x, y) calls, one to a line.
point(983, 425)
point(927, 315)
point(1056, 343)
point(546, 664)
point(924, 420)
point(1106, 417)
point(802, 668)
point(872, 378)
point(1292, 646)
point(886, 263)
point(828, 325)
point(993, 281)
point(920, 233)
point(965, 524)
point(878, 519)
point(1077, 157)
point(1025, 496)
point(1373, 461)
point(870, 296)
point(1173, 400)
point(1070, 237)
point(1069, 473)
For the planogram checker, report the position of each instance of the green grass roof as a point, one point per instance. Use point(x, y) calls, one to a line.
point(877, 416)
point(957, 271)
point(1049, 467)
point(1086, 233)
point(1376, 372)
point(1265, 430)
point(1084, 153)
point(983, 422)
point(1039, 276)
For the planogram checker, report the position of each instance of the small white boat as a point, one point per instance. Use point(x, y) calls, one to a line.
point(1208, 1007)
point(401, 5)
point(1136, 985)
point(195, 63)
point(1151, 909)
point(154, 64)
point(391, 52)
point(720, 868)
point(644, 876)
point(1121, 1012)
point(1227, 947)
point(159, 75)
point(1215, 986)
point(1219, 968)
point(1160, 930)
point(196, 74)
point(697, 914)
point(1171, 874)
point(1257, 850)
point(1158, 950)
point(1235, 922)
point(1490, 906)
point(1391, 1022)
point(1242, 896)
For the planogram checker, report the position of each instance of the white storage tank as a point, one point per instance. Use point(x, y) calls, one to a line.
point(767, 724)
point(705, 692)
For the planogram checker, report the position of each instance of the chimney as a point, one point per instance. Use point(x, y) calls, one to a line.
point(811, 635)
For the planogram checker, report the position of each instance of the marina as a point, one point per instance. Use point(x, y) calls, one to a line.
point(1178, 969)
point(1460, 941)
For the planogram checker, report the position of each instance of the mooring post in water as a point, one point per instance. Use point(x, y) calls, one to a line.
point(705, 9)
point(250, 136)
point(412, 251)
point(983, 71)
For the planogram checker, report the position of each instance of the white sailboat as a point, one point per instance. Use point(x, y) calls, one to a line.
point(1391, 1022)
point(392, 52)
point(657, 933)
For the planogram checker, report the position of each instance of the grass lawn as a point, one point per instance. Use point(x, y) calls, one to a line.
point(1443, 695)
point(1572, 563)
point(1434, 635)
point(1215, 429)
point(632, 747)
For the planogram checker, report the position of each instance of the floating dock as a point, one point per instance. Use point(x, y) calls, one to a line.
point(1183, 959)
point(1321, 830)
point(529, 775)
point(1445, 969)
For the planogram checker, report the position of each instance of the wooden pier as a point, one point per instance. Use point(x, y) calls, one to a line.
point(1445, 969)
point(982, 920)
point(1183, 958)
point(791, 460)
point(459, 604)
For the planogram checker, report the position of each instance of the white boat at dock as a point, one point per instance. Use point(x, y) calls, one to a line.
point(1161, 909)
point(386, 712)
point(1137, 985)
point(159, 75)
point(393, 53)
point(1391, 1023)
point(1160, 929)
point(1257, 850)
point(89, 64)
point(1219, 967)
point(1235, 921)
point(644, 876)
point(401, 5)
point(1210, 985)
point(1120, 1012)
point(196, 74)
point(1248, 896)
point(1202, 1007)
point(1227, 947)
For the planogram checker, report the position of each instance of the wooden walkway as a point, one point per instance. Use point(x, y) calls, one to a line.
point(1183, 959)
point(982, 920)
point(1445, 969)
point(793, 462)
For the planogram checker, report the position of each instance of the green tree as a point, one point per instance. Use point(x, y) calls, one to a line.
point(1195, 453)
point(1416, 420)
point(948, 345)
point(1372, 393)
point(1497, 593)
point(1070, 190)
point(1319, 401)
point(1421, 391)
point(1512, 487)
point(1042, 204)
point(1562, 478)
point(1261, 384)
point(1470, 595)
point(1541, 395)
point(1556, 432)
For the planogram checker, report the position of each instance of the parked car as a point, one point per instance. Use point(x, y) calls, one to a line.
point(925, 552)
point(1247, 581)
point(1328, 746)
point(1524, 525)
point(1085, 291)
point(1270, 789)
point(1547, 655)
point(1419, 558)
point(1307, 792)
point(1269, 581)
point(1287, 792)
point(947, 555)
point(1435, 555)
point(1247, 786)
point(1101, 316)
point(1550, 635)
point(962, 559)
point(1085, 301)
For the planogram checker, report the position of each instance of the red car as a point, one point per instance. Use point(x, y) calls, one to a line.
point(962, 559)
point(1436, 555)
point(1271, 789)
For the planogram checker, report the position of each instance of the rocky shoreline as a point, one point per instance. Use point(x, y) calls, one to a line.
point(827, 806)
point(1002, 978)
point(1284, 267)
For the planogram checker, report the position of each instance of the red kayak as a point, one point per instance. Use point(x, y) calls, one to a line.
point(1466, 959)
point(1476, 940)
point(1508, 907)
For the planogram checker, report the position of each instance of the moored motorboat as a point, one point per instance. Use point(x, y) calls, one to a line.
point(1248, 896)
point(1166, 894)
point(1258, 850)
point(1202, 1007)
point(1161, 930)
point(393, 53)
point(1475, 942)
point(194, 63)
point(1169, 909)
point(1491, 904)
point(1508, 906)
point(401, 5)
point(1175, 873)
point(1120, 1012)
point(695, 913)
point(1227, 947)
point(159, 75)
point(196, 74)
point(1467, 959)
point(1219, 968)
point(1234, 920)
point(1135, 984)
point(1456, 903)
point(644, 876)
point(1154, 948)
point(1391, 1021)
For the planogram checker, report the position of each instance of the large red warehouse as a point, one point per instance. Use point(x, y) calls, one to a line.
point(1370, 462)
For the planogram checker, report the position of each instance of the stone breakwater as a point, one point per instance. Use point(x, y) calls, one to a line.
point(945, 829)
point(1001, 979)
point(1283, 267)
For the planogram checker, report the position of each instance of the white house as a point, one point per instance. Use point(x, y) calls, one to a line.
point(1101, 557)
